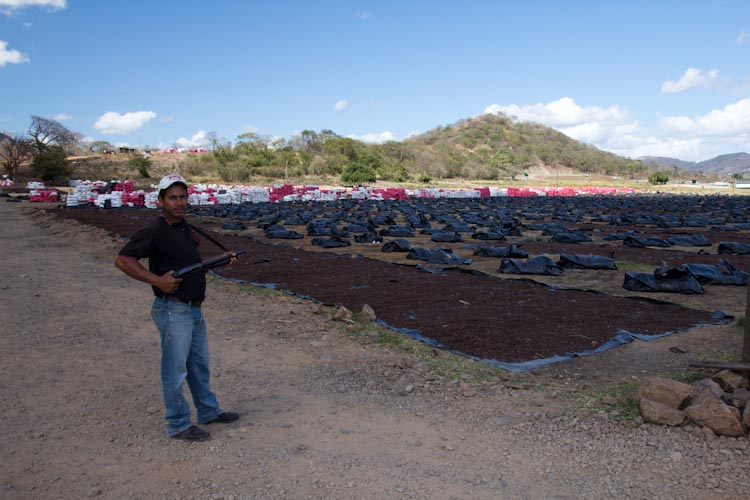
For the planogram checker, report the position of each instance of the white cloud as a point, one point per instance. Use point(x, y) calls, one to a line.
point(199, 139)
point(692, 78)
point(167, 119)
point(26, 24)
point(9, 7)
point(250, 129)
point(341, 105)
point(729, 121)
point(375, 138)
point(61, 117)
point(363, 14)
point(743, 37)
point(115, 123)
point(563, 112)
point(10, 56)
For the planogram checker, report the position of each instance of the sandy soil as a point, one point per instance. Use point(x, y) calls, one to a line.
point(326, 412)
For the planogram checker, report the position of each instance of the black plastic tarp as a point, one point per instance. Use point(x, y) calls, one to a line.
point(447, 237)
point(439, 256)
point(397, 245)
point(571, 238)
point(577, 261)
point(488, 235)
point(371, 237)
point(672, 281)
point(535, 265)
point(280, 232)
point(397, 231)
point(723, 273)
point(733, 247)
point(695, 240)
point(652, 241)
point(511, 251)
point(333, 242)
point(234, 226)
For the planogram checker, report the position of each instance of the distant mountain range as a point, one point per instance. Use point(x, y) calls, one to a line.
point(735, 163)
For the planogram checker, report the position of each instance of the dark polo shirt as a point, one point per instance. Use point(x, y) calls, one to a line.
point(169, 247)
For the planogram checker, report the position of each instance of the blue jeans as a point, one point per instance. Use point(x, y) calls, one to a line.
point(184, 356)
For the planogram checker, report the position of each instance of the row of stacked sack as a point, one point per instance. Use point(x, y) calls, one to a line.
point(115, 194)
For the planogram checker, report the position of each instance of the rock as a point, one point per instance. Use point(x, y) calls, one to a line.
point(343, 314)
point(709, 384)
point(609, 401)
point(746, 417)
point(670, 393)
point(740, 397)
point(707, 410)
point(707, 432)
point(658, 413)
point(729, 380)
point(678, 350)
point(152, 410)
point(368, 312)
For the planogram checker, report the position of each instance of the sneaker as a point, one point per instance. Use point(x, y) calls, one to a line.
point(225, 417)
point(192, 433)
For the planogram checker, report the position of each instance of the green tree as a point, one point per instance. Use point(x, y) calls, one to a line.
point(51, 163)
point(100, 146)
point(658, 178)
point(142, 163)
point(362, 171)
point(221, 149)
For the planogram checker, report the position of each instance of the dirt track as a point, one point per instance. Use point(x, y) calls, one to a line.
point(325, 413)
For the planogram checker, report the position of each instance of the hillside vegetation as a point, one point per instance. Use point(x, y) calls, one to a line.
point(488, 147)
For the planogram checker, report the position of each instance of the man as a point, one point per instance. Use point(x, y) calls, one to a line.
point(169, 243)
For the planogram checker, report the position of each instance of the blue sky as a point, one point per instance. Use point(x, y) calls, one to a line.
point(664, 78)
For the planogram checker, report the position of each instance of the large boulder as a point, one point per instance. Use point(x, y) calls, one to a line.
point(670, 393)
point(710, 385)
point(654, 412)
point(707, 410)
point(729, 380)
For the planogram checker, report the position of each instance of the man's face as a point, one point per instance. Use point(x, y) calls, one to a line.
point(174, 202)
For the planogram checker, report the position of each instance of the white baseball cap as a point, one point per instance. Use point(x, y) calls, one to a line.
point(170, 179)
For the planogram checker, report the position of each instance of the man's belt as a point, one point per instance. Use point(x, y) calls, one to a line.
point(193, 303)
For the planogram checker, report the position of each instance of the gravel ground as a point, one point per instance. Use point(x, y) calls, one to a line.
point(325, 413)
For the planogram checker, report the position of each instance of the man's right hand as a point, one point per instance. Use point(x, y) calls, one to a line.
point(167, 283)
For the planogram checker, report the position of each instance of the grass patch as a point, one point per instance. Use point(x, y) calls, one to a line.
point(622, 394)
point(739, 325)
point(247, 288)
point(688, 375)
point(633, 267)
point(710, 354)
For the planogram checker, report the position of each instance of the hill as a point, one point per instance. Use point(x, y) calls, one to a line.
point(494, 146)
point(735, 163)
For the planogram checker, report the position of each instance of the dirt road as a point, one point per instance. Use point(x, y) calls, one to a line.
point(326, 413)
